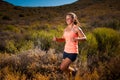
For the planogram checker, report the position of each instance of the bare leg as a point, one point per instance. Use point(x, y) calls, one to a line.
point(65, 64)
point(65, 67)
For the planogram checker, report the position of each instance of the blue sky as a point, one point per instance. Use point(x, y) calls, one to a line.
point(41, 3)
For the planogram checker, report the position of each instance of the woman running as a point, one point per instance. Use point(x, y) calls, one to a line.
point(72, 34)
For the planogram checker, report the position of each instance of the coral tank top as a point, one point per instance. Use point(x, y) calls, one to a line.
point(70, 45)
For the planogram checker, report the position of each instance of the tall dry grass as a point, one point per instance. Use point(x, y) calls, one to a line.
point(33, 64)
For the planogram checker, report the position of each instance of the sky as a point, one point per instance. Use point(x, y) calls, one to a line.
point(39, 3)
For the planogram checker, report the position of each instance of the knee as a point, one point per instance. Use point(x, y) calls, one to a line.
point(62, 68)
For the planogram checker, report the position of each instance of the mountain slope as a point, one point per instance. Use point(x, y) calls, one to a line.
point(86, 10)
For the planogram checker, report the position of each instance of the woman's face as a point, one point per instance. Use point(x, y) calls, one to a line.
point(69, 19)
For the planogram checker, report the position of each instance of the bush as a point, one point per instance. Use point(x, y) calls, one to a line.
point(91, 44)
point(21, 15)
point(110, 70)
point(113, 23)
point(10, 46)
point(25, 45)
point(108, 39)
point(88, 51)
point(13, 47)
point(6, 17)
point(41, 39)
point(34, 64)
point(101, 45)
point(12, 28)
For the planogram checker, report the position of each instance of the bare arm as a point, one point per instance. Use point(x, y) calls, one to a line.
point(81, 35)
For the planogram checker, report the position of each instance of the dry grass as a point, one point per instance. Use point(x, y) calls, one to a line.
point(41, 65)
point(32, 64)
point(37, 65)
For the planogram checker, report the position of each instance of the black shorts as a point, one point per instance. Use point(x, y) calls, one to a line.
point(71, 56)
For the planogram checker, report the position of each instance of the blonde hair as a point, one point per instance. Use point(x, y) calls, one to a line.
point(74, 16)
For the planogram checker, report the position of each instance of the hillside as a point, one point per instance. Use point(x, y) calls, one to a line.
point(88, 11)
point(18, 23)
point(28, 52)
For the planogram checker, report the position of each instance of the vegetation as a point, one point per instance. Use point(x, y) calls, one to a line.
point(28, 52)
point(94, 61)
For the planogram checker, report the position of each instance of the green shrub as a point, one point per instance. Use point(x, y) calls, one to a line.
point(12, 28)
point(25, 45)
point(101, 45)
point(10, 46)
point(91, 44)
point(88, 51)
point(37, 26)
point(108, 39)
point(20, 46)
point(41, 39)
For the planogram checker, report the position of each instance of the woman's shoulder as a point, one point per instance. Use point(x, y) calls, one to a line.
point(76, 27)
